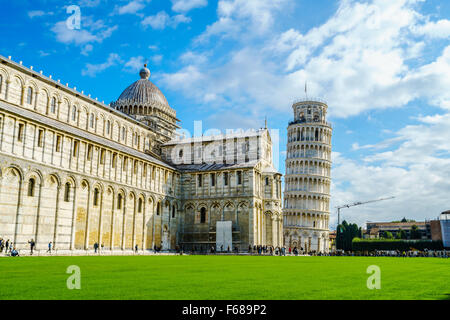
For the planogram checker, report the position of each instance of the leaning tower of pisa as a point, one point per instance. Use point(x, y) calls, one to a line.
point(307, 180)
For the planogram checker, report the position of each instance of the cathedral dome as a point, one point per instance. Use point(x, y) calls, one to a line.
point(142, 93)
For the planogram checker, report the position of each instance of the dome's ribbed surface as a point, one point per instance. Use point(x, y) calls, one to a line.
point(142, 92)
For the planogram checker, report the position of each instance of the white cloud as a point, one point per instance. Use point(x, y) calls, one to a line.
point(132, 7)
point(162, 20)
point(439, 29)
point(134, 64)
point(187, 5)
point(237, 18)
point(89, 3)
point(38, 13)
point(92, 70)
point(91, 31)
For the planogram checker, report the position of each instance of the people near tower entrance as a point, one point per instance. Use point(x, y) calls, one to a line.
point(136, 248)
point(221, 248)
point(95, 247)
point(296, 251)
point(290, 251)
point(32, 245)
point(2, 245)
point(49, 247)
point(283, 251)
point(102, 246)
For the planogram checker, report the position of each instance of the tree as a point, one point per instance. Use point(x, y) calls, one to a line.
point(404, 219)
point(387, 235)
point(345, 234)
point(401, 234)
point(415, 233)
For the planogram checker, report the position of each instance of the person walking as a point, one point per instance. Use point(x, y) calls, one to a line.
point(49, 247)
point(95, 247)
point(135, 248)
point(2, 245)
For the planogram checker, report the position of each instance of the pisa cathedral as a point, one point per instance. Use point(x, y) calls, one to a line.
point(75, 171)
point(307, 181)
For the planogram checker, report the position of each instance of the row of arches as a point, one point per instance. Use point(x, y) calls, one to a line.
point(145, 111)
point(307, 241)
point(307, 202)
point(321, 168)
point(306, 220)
point(45, 100)
point(309, 151)
point(318, 185)
point(76, 213)
point(309, 133)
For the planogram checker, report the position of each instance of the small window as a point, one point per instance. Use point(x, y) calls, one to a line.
point(180, 154)
point(173, 211)
point(40, 138)
point(114, 160)
point(96, 193)
point(1, 83)
point(239, 177)
point(74, 113)
point(140, 205)
point(213, 179)
point(102, 157)
point(200, 179)
point(20, 132)
point(31, 185)
point(119, 201)
point(75, 148)
point(267, 181)
point(92, 121)
point(135, 166)
point(30, 95)
point(125, 163)
point(225, 178)
point(123, 133)
point(53, 105)
point(202, 215)
point(158, 209)
point(108, 127)
point(89, 152)
point(58, 144)
point(67, 192)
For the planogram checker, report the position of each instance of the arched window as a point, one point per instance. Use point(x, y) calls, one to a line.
point(119, 201)
point(158, 209)
point(67, 192)
point(140, 205)
point(267, 181)
point(123, 133)
point(30, 95)
point(173, 211)
point(108, 127)
point(1, 83)
point(31, 185)
point(203, 215)
point(180, 154)
point(96, 193)
point(74, 113)
point(92, 121)
point(53, 105)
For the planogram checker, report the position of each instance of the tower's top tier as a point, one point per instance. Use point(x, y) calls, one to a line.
point(310, 110)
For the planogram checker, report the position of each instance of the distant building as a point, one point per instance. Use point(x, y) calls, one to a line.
point(376, 229)
point(332, 237)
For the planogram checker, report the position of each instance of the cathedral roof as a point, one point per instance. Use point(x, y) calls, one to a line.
point(143, 93)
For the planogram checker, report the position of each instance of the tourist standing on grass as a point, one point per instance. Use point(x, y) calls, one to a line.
point(32, 244)
point(49, 247)
point(95, 247)
point(1, 245)
point(136, 248)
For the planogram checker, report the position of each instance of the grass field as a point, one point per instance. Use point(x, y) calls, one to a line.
point(224, 277)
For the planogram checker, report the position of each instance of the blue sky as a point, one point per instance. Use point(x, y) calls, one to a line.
point(382, 65)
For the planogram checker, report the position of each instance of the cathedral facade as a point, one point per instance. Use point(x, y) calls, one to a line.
point(75, 172)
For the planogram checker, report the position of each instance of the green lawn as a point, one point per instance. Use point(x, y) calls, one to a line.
point(224, 277)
